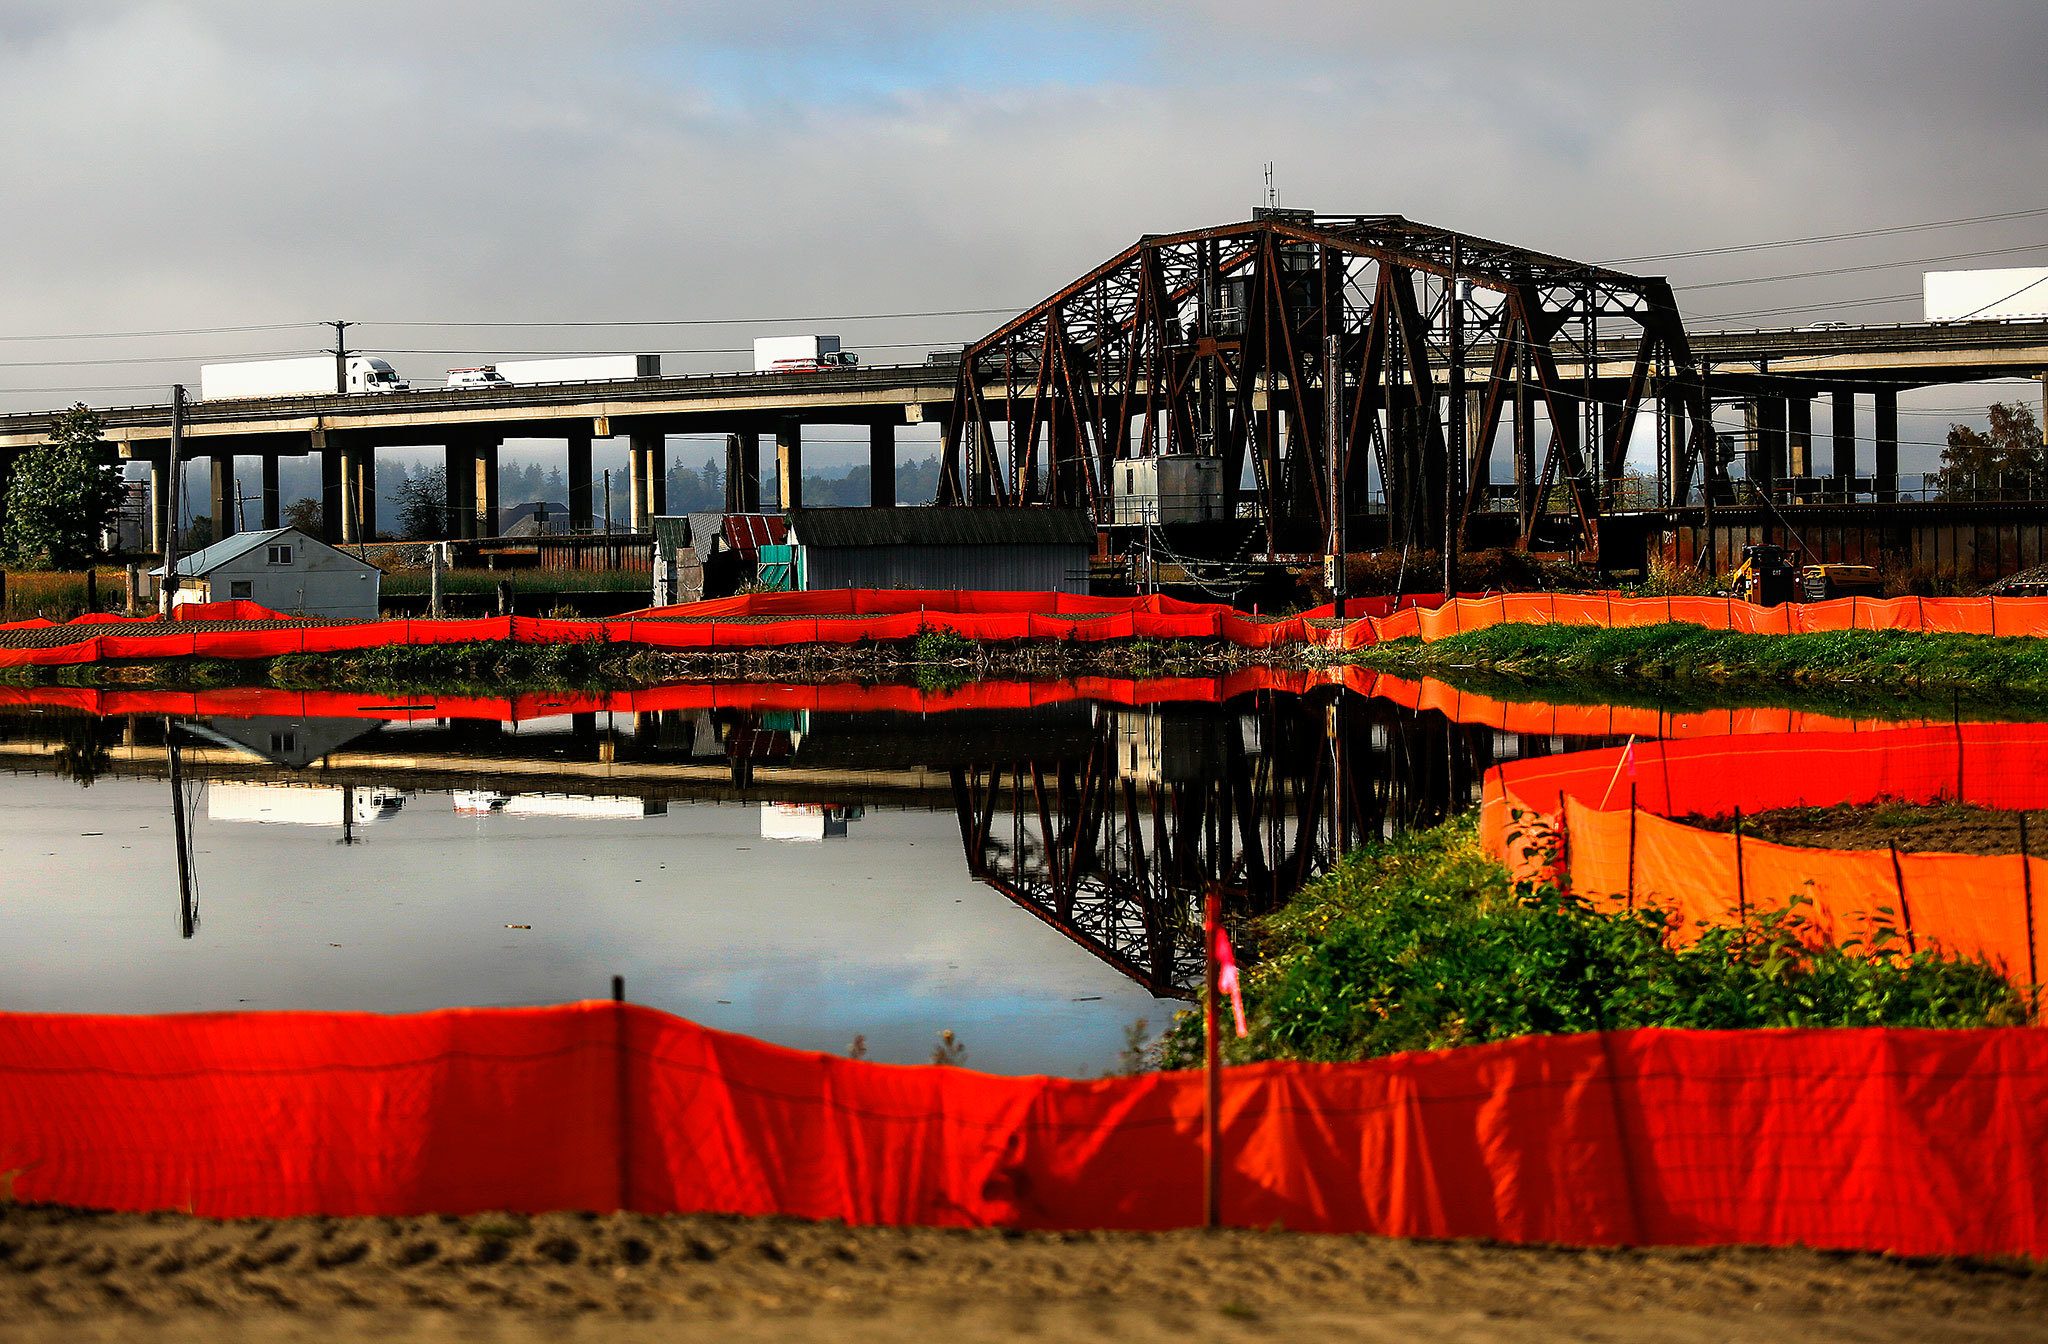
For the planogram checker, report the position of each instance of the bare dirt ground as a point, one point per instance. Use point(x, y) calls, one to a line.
point(1947, 828)
point(566, 1279)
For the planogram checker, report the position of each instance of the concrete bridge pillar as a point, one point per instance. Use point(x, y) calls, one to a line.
point(159, 500)
point(882, 466)
point(358, 492)
point(220, 481)
point(329, 453)
point(789, 465)
point(1844, 427)
point(743, 473)
point(483, 490)
point(580, 513)
point(649, 478)
point(1799, 434)
point(458, 469)
point(1766, 423)
point(273, 502)
point(1887, 466)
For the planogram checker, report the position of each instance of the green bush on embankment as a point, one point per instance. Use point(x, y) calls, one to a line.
point(1679, 652)
point(1424, 943)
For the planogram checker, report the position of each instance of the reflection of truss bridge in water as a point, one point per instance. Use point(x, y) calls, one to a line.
point(1114, 846)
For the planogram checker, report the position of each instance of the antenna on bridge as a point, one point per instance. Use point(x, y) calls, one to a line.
point(1272, 191)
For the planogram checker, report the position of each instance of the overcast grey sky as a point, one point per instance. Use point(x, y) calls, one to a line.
point(224, 162)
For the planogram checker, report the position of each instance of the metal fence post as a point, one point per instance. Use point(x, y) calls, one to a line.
point(1741, 885)
point(1905, 909)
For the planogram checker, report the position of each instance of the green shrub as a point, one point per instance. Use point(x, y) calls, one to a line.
point(1424, 943)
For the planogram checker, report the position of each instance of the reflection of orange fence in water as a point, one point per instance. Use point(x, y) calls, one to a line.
point(1615, 805)
point(1918, 1142)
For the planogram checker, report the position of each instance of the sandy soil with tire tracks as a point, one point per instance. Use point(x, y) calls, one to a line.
point(566, 1279)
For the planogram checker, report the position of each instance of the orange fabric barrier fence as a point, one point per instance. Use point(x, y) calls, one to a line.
point(765, 620)
point(1914, 1142)
point(1615, 807)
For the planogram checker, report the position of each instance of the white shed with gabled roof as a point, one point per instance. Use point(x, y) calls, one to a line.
point(282, 569)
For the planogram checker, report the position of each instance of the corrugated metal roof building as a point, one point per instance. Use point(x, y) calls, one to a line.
point(1001, 550)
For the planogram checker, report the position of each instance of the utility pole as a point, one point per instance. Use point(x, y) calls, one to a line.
point(1454, 469)
point(341, 356)
point(1333, 454)
point(166, 590)
point(607, 501)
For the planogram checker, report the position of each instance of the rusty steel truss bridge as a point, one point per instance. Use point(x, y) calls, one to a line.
point(1332, 359)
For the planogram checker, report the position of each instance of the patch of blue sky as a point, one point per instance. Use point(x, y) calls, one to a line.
point(868, 64)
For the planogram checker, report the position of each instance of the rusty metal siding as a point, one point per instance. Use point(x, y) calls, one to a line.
point(1017, 568)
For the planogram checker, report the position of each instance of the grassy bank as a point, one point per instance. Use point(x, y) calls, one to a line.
point(1681, 654)
point(1424, 943)
point(934, 659)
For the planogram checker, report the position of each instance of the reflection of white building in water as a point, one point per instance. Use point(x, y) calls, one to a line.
point(807, 821)
point(489, 802)
point(300, 804)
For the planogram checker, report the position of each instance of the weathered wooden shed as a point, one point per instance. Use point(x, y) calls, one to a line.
point(1007, 550)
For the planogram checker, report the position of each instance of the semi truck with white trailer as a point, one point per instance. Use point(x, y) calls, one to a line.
point(2011, 293)
point(307, 376)
point(800, 354)
point(581, 369)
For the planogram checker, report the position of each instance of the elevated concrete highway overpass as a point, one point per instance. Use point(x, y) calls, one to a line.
point(1775, 374)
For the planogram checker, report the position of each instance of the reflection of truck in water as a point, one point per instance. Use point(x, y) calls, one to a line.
point(310, 376)
point(800, 354)
point(579, 807)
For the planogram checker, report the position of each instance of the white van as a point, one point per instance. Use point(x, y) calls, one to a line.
point(484, 376)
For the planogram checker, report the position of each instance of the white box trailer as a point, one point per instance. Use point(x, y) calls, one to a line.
point(582, 369)
point(1987, 296)
point(306, 376)
point(791, 354)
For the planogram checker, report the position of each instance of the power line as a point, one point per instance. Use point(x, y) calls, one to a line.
point(149, 359)
point(709, 321)
point(1874, 266)
point(173, 331)
point(1829, 237)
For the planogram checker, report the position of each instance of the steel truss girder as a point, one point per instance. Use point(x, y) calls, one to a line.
point(1211, 342)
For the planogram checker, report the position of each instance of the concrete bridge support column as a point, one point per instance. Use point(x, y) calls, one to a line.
point(221, 492)
point(743, 473)
point(159, 500)
point(882, 466)
point(1799, 434)
point(1843, 468)
point(1766, 423)
point(484, 489)
point(329, 453)
point(358, 493)
point(458, 468)
point(789, 465)
point(650, 479)
point(1887, 466)
point(581, 518)
point(273, 501)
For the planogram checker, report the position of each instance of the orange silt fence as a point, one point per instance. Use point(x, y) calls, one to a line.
point(1907, 1141)
point(1616, 807)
